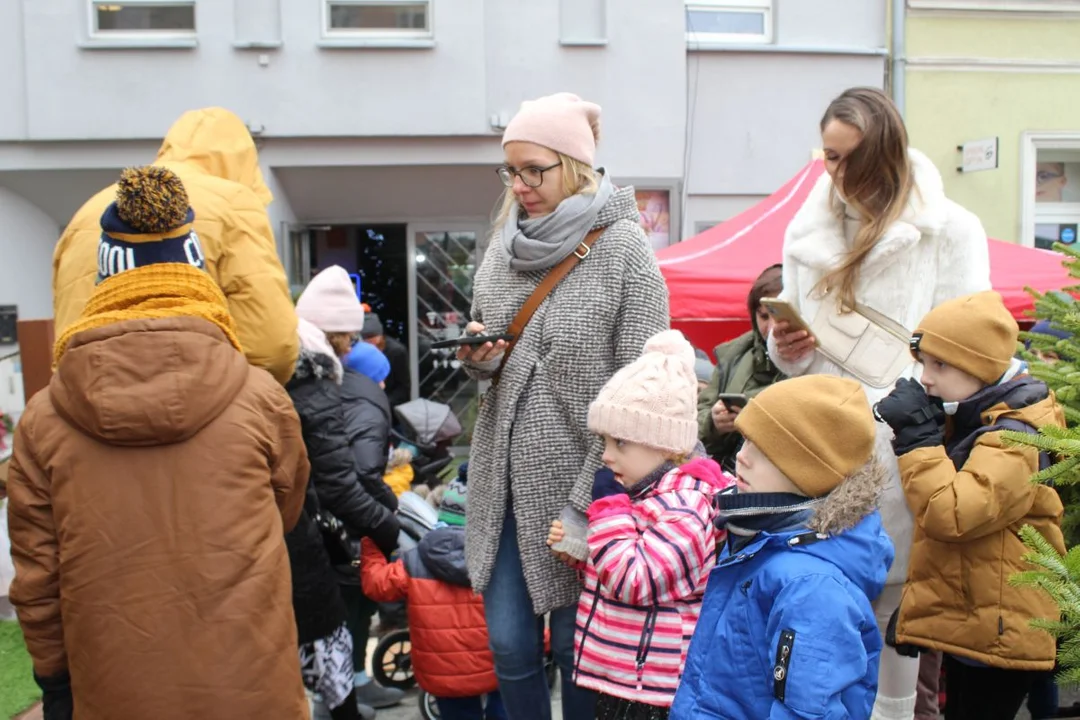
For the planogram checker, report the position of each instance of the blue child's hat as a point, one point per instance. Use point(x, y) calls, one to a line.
point(368, 360)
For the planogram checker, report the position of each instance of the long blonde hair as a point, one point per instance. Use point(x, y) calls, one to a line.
point(578, 178)
point(875, 179)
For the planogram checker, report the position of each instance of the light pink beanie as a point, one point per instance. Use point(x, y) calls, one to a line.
point(562, 122)
point(329, 302)
point(653, 400)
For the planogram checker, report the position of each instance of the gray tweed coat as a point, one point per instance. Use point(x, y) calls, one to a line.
point(531, 446)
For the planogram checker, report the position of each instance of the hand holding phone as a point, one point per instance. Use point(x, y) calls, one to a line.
point(470, 341)
point(792, 334)
point(726, 409)
point(480, 353)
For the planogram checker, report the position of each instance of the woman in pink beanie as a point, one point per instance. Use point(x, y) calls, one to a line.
point(532, 454)
point(327, 401)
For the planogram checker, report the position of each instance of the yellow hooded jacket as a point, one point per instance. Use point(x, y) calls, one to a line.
point(212, 152)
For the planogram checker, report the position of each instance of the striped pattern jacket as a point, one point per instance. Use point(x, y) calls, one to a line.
point(649, 559)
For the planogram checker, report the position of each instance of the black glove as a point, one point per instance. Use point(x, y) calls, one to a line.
point(905, 649)
point(56, 700)
point(917, 419)
point(605, 485)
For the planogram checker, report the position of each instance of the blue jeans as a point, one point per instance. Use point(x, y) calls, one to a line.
point(517, 641)
point(472, 708)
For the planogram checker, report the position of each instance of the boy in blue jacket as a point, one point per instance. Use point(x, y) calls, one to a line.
point(786, 628)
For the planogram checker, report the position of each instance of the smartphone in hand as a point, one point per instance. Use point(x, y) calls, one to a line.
point(733, 400)
point(470, 341)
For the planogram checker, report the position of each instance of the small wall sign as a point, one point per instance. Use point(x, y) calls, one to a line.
point(978, 155)
point(9, 318)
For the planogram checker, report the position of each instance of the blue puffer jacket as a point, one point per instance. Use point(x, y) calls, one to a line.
point(786, 629)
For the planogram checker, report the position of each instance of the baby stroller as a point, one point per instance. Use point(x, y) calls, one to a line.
point(391, 662)
point(426, 430)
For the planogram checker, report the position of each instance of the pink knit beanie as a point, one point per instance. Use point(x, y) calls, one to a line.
point(653, 400)
point(562, 122)
point(329, 302)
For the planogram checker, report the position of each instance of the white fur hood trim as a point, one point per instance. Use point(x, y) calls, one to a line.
point(815, 237)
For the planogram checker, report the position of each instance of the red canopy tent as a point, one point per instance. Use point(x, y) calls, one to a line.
point(709, 275)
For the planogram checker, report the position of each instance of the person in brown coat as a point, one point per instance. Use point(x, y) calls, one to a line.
point(151, 487)
point(970, 492)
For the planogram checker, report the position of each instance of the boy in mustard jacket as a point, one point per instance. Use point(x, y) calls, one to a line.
point(971, 492)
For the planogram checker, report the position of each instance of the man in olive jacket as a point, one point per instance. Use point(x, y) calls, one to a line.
point(743, 367)
point(213, 154)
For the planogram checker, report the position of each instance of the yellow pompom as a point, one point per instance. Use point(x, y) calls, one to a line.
point(151, 199)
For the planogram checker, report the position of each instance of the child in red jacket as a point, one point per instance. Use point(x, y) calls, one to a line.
point(450, 652)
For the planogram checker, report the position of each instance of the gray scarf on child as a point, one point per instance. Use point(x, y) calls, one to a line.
point(542, 243)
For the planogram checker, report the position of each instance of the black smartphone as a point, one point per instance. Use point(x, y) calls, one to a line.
point(470, 340)
point(733, 400)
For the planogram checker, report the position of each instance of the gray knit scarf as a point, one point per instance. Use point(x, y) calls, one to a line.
point(542, 243)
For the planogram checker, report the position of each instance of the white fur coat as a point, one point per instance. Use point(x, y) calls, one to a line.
point(936, 251)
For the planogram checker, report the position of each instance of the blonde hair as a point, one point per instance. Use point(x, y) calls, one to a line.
point(578, 178)
point(875, 179)
point(341, 342)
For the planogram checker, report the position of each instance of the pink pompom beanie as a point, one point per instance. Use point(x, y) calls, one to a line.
point(562, 122)
point(653, 400)
point(329, 302)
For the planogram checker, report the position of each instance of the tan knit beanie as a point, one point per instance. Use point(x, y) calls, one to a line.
point(975, 333)
point(817, 429)
point(653, 400)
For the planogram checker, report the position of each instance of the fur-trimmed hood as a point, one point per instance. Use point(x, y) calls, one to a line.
point(316, 359)
point(852, 500)
point(816, 237)
point(856, 541)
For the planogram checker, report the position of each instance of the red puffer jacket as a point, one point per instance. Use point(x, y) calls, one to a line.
point(450, 652)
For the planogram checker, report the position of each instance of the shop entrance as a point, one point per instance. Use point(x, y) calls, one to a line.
point(418, 278)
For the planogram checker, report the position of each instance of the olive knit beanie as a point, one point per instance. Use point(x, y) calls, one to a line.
point(817, 429)
point(653, 400)
point(975, 333)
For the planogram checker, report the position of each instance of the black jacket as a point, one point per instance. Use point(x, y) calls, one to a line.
point(399, 381)
point(367, 426)
point(334, 473)
point(317, 602)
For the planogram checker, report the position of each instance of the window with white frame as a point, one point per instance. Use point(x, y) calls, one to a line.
point(142, 18)
point(1051, 206)
point(729, 21)
point(377, 18)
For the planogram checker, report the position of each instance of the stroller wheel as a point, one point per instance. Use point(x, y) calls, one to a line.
point(429, 709)
point(391, 663)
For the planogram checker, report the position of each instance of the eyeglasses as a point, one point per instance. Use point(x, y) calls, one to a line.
point(532, 176)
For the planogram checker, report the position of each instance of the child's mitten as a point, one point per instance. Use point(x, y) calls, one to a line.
point(575, 542)
point(917, 419)
point(605, 485)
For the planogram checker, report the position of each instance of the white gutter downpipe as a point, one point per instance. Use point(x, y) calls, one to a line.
point(899, 55)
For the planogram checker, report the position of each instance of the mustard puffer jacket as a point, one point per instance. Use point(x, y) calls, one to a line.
point(212, 152)
point(970, 500)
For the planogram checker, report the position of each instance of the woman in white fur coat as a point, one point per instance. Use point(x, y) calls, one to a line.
point(878, 231)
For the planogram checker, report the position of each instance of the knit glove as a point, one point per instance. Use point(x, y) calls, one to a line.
point(56, 700)
point(605, 485)
point(905, 649)
point(917, 419)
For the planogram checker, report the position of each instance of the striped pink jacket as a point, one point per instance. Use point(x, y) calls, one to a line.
point(649, 560)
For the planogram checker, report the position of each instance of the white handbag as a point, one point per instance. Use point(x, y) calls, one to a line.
point(873, 348)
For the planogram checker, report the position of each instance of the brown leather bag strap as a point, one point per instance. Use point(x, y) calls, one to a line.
point(554, 275)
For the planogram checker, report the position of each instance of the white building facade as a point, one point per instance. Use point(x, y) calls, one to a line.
point(378, 121)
